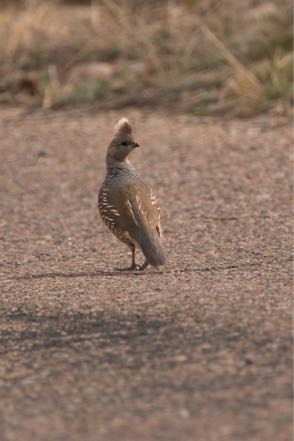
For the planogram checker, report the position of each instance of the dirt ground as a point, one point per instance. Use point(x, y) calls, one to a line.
point(198, 351)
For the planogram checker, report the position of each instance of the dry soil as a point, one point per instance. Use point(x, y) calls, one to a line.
point(199, 350)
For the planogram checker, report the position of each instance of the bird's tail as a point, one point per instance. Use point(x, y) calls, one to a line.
point(151, 246)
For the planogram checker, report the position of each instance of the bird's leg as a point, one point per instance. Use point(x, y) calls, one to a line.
point(145, 264)
point(133, 266)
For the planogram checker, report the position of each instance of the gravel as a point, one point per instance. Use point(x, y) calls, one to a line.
point(198, 350)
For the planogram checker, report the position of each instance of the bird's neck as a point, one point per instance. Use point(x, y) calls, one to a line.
point(114, 165)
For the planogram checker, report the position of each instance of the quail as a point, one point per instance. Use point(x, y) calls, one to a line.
point(127, 204)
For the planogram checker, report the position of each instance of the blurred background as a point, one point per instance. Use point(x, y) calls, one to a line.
point(205, 57)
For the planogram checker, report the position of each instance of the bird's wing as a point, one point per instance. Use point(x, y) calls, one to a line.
point(130, 208)
point(145, 205)
point(132, 211)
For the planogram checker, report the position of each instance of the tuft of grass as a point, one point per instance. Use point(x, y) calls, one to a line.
point(243, 83)
point(276, 76)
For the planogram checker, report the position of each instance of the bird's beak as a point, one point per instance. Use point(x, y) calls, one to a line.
point(135, 144)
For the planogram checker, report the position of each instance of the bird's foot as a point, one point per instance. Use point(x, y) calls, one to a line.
point(142, 267)
point(133, 267)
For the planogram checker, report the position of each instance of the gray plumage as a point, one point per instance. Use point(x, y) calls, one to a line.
point(127, 205)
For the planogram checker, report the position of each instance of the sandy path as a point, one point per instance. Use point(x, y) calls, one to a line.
point(200, 350)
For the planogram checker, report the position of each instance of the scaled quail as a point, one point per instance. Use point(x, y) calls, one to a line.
point(126, 204)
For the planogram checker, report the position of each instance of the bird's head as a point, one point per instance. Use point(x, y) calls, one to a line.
point(123, 142)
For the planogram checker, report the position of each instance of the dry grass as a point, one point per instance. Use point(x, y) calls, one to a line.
point(202, 58)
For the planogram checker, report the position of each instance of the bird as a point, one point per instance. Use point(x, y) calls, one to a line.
point(127, 205)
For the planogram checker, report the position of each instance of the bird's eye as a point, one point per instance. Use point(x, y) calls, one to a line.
point(124, 143)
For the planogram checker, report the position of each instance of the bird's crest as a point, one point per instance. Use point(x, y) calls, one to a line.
point(123, 126)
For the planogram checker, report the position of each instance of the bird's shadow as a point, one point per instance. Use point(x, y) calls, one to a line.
point(97, 273)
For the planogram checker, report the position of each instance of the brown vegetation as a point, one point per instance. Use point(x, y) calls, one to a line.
point(202, 56)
